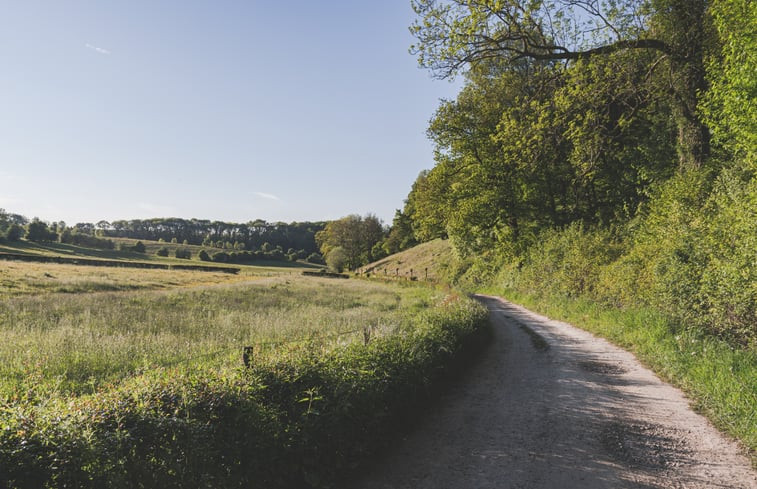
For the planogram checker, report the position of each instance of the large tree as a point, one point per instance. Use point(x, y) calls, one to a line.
point(455, 34)
point(355, 235)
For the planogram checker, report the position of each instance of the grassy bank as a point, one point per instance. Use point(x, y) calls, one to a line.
point(721, 380)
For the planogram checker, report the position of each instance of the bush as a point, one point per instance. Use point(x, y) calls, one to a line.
point(183, 253)
point(163, 251)
point(139, 247)
point(566, 262)
point(315, 258)
point(336, 259)
point(221, 257)
point(204, 255)
point(87, 240)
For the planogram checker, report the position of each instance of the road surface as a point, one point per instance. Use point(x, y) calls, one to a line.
point(551, 406)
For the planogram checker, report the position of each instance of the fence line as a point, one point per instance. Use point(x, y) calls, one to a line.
point(259, 344)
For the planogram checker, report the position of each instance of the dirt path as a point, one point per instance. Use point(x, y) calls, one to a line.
point(552, 406)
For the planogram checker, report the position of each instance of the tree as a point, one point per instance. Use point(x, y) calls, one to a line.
point(14, 232)
point(337, 259)
point(729, 105)
point(400, 236)
point(204, 255)
point(354, 234)
point(455, 34)
point(183, 253)
point(39, 231)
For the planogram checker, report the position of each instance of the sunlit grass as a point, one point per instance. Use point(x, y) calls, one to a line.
point(77, 342)
point(28, 278)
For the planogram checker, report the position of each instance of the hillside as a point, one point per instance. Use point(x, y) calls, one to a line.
point(433, 257)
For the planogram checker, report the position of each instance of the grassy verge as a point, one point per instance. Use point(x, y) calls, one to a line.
point(721, 380)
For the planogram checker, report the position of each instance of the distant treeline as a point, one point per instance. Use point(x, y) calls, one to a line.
point(297, 237)
point(253, 234)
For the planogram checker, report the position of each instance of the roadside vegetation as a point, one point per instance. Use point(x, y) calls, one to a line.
point(610, 181)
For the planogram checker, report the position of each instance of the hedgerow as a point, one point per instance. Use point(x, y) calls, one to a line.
point(303, 417)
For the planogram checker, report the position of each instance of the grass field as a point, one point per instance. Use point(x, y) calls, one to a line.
point(123, 377)
point(75, 342)
point(28, 278)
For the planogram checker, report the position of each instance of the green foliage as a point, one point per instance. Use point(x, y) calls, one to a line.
point(14, 232)
point(729, 105)
point(456, 35)
point(690, 255)
point(694, 254)
point(139, 247)
point(355, 235)
point(315, 258)
point(400, 235)
point(221, 257)
point(163, 251)
point(564, 262)
point(40, 232)
point(204, 256)
point(337, 259)
point(183, 253)
point(71, 236)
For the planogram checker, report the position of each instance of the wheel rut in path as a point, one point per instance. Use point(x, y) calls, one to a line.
point(552, 406)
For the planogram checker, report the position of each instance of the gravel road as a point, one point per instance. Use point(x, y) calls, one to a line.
point(552, 406)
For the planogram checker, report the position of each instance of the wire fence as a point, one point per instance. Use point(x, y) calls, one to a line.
point(248, 349)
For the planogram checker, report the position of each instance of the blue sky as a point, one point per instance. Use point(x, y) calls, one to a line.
point(228, 110)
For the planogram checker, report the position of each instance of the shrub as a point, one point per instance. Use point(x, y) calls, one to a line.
point(139, 247)
point(82, 239)
point(163, 251)
point(183, 253)
point(336, 259)
point(221, 257)
point(204, 255)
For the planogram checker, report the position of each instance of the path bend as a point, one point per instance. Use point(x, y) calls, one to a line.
point(552, 406)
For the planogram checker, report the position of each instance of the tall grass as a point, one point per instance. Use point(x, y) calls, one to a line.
point(77, 411)
point(24, 278)
point(78, 342)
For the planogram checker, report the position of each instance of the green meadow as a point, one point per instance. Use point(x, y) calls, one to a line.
point(121, 377)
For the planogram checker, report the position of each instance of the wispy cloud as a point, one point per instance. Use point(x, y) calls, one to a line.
point(97, 49)
point(266, 196)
